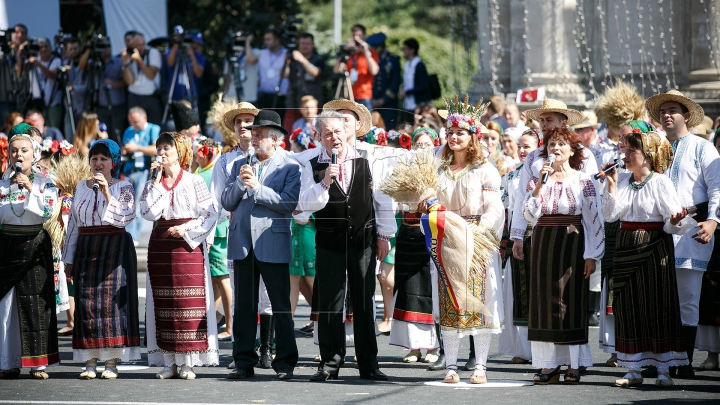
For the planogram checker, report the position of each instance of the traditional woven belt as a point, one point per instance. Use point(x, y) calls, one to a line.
point(560, 220)
point(21, 229)
point(472, 218)
point(636, 226)
point(172, 222)
point(101, 230)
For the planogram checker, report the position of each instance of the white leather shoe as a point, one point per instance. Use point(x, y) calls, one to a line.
point(187, 373)
point(167, 373)
point(412, 357)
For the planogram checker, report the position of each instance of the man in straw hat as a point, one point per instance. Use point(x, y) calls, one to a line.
point(695, 172)
point(341, 196)
point(552, 114)
point(587, 129)
point(262, 192)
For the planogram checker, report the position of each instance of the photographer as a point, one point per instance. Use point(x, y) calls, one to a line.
point(75, 78)
point(387, 82)
point(304, 68)
point(141, 66)
point(271, 62)
point(8, 68)
point(110, 98)
point(245, 78)
point(362, 66)
point(46, 96)
point(185, 89)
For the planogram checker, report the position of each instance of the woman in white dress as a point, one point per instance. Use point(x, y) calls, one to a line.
point(27, 294)
point(469, 186)
point(513, 339)
point(100, 256)
point(568, 238)
point(180, 316)
point(648, 330)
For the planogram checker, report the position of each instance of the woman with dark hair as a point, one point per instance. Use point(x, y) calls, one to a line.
point(179, 312)
point(27, 295)
point(648, 330)
point(100, 257)
point(568, 237)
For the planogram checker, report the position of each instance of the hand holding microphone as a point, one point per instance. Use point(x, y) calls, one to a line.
point(333, 168)
point(551, 160)
point(95, 185)
point(609, 168)
point(156, 167)
point(18, 175)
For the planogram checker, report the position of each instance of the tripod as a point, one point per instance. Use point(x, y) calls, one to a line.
point(189, 85)
point(97, 73)
point(63, 80)
point(344, 86)
point(238, 76)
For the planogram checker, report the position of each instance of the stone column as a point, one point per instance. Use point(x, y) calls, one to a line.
point(704, 67)
point(481, 81)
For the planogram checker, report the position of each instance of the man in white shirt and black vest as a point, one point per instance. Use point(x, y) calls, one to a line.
point(337, 187)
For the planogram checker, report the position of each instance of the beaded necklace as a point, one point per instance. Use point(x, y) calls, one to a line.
point(32, 178)
point(637, 186)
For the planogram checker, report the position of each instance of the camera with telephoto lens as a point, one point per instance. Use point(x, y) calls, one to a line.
point(98, 44)
point(289, 32)
point(4, 41)
point(235, 42)
point(344, 52)
point(181, 37)
point(33, 46)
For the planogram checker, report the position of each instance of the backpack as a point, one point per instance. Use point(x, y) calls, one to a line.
point(435, 89)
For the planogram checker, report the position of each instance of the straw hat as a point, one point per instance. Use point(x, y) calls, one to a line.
point(557, 106)
point(364, 116)
point(589, 119)
point(242, 108)
point(653, 106)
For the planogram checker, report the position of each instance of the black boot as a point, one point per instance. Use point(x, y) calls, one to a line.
point(266, 341)
point(470, 365)
point(594, 308)
point(440, 363)
point(689, 333)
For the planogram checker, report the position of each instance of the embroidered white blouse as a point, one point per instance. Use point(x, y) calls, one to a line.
point(474, 191)
point(189, 199)
point(657, 201)
point(18, 207)
point(89, 208)
point(577, 195)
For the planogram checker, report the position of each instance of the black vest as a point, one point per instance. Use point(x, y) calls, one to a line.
point(348, 220)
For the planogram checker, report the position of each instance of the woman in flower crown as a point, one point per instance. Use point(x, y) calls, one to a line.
point(645, 305)
point(100, 255)
point(470, 186)
point(27, 302)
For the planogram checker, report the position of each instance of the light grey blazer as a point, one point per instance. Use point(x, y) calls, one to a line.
point(262, 220)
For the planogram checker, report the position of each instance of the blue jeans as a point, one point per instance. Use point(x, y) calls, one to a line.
point(138, 180)
point(367, 102)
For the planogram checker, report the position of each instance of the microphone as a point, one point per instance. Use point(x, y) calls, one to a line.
point(156, 170)
point(18, 169)
point(95, 185)
point(619, 163)
point(334, 155)
point(551, 160)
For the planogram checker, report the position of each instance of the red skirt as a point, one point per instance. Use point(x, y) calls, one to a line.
point(177, 278)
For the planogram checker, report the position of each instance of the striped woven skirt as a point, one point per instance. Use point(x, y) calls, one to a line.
point(558, 293)
point(606, 268)
point(27, 265)
point(177, 278)
point(521, 281)
point(645, 304)
point(413, 284)
point(106, 289)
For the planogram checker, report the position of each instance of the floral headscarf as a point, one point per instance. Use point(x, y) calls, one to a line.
point(657, 150)
point(184, 147)
point(426, 131)
point(37, 151)
point(114, 154)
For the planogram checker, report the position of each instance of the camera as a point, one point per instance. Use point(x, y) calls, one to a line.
point(289, 32)
point(60, 38)
point(181, 37)
point(344, 52)
point(33, 47)
point(5, 41)
point(235, 42)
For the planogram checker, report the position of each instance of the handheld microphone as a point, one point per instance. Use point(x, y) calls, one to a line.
point(95, 185)
point(18, 169)
point(551, 160)
point(619, 163)
point(334, 156)
point(156, 170)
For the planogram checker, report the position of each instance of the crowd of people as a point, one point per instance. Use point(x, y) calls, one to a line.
point(476, 220)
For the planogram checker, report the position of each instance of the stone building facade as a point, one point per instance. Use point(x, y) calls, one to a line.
point(662, 42)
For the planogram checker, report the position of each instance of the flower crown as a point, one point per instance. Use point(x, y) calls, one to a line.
point(302, 138)
point(403, 139)
point(375, 136)
point(203, 151)
point(465, 116)
point(53, 146)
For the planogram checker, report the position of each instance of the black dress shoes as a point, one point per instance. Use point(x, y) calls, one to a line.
point(239, 373)
point(685, 372)
point(323, 375)
point(284, 375)
point(376, 375)
point(470, 365)
point(438, 365)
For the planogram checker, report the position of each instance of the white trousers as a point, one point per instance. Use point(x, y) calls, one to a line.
point(689, 284)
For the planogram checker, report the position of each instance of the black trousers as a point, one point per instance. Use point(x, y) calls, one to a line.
point(330, 275)
point(265, 101)
point(247, 283)
point(151, 104)
point(115, 117)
